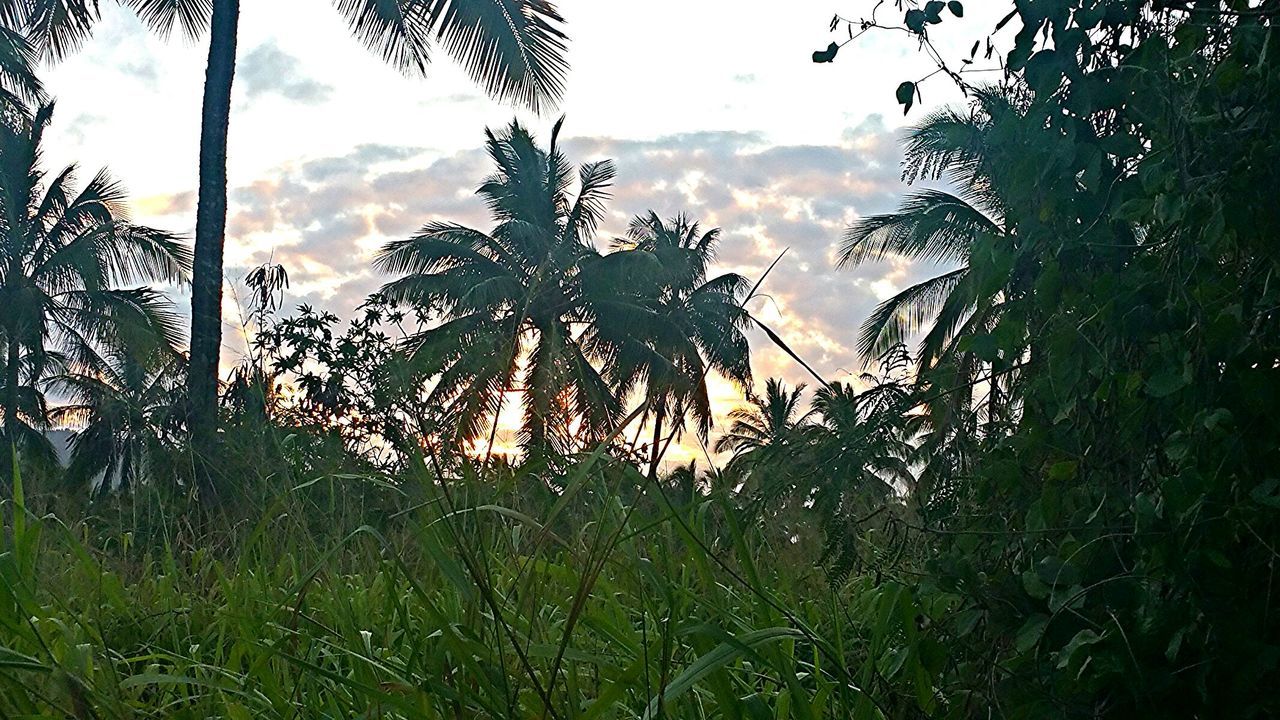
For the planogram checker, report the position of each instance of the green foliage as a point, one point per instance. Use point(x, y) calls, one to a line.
point(459, 602)
point(356, 384)
point(1107, 544)
point(906, 95)
point(826, 56)
point(534, 304)
point(70, 266)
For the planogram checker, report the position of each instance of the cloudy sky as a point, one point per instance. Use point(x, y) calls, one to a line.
point(711, 107)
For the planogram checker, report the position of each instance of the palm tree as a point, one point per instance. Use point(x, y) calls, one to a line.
point(670, 323)
point(63, 259)
point(943, 227)
point(767, 439)
point(856, 462)
point(130, 406)
point(861, 440)
point(18, 82)
point(514, 48)
point(767, 427)
point(510, 302)
point(936, 226)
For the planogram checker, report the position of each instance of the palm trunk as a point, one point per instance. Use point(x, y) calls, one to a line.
point(993, 402)
point(12, 378)
point(11, 381)
point(654, 454)
point(211, 223)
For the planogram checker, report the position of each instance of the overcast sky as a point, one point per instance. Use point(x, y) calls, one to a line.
point(708, 107)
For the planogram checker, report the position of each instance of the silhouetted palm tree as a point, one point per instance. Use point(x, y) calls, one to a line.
point(63, 259)
point(860, 441)
point(514, 48)
point(513, 314)
point(129, 406)
point(944, 227)
point(768, 424)
point(670, 323)
point(18, 82)
point(855, 464)
point(936, 226)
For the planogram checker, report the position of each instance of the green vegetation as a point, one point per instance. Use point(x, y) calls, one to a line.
point(1062, 503)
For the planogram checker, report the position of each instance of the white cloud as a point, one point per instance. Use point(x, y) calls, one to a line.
point(268, 70)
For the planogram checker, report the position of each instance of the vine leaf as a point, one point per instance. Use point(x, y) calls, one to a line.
point(933, 11)
point(826, 56)
point(915, 20)
point(906, 95)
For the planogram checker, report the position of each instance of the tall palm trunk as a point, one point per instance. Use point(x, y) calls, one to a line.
point(655, 453)
point(993, 402)
point(11, 380)
point(12, 377)
point(211, 223)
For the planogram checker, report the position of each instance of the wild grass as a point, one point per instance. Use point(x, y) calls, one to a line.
point(349, 596)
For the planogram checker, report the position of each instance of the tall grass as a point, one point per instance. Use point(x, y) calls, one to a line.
point(491, 595)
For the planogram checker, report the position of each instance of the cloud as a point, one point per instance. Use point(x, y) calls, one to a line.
point(268, 70)
point(83, 125)
point(357, 163)
point(326, 217)
point(144, 69)
point(166, 205)
point(453, 99)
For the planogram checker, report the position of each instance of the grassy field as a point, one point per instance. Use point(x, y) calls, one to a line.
point(349, 596)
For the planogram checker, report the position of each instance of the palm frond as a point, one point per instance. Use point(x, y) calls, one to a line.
point(907, 312)
point(515, 49)
point(930, 225)
point(190, 16)
point(18, 60)
point(58, 28)
point(589, 207)
point(398, 31)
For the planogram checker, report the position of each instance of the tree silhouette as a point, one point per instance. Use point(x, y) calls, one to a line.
point(63, 259)
point(671, 324)
point(935, 226)
point(939, 226)
point(129, 403)
point(768, 424)
point(512, 309)
point(513, 48)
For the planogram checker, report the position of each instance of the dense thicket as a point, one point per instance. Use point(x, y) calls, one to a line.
point(1109, 547)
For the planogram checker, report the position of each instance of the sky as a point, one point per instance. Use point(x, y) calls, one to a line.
point(709, 107)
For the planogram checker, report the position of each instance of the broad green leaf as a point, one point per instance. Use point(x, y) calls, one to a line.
point(1030, 632)
point(718, 658)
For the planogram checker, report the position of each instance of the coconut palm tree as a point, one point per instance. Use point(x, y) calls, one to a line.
point(129, 406)
point(943, 227)
point(855, 464)
point(936, 226)
point(860, 439)
point(64, 257)
point(512, 312)
point(515, 49)
point(671, 325)
point(767, 426)
point(768, 440)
